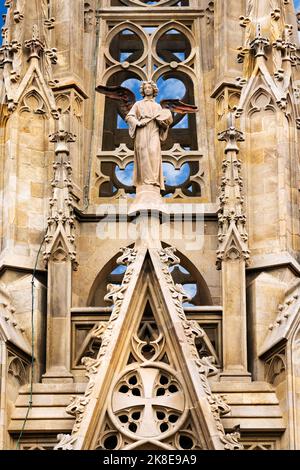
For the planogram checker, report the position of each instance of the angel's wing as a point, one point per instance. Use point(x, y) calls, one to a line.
point(177, 106)
point(124, 96)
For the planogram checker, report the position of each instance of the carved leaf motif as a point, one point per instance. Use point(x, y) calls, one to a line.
point(66, 442)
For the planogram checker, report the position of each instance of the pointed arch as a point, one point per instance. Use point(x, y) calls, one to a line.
point(259, 100)
point(34, 102)
point(110, 273)
point(147, 389)
point(181, 28)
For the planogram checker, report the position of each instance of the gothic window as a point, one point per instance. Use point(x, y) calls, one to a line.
point(184, 273)
point(149, 3)
point(199, 309)
point(297, 7)
point(164, 53)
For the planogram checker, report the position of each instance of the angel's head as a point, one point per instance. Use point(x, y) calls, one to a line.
point(149, 88)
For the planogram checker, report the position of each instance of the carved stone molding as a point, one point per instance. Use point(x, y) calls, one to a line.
point(205, 365)
point(35, 45)
point(20, 67)
point(275, 366)
point(232, 234)
point(259, 44)
point(141, 418)
point(268, 50)
point(60, 237)
point(176, 156)
point(18, 368)
point(116, 297)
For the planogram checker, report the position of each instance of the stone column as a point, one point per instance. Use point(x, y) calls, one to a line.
point(232, 255)
point(60, 256)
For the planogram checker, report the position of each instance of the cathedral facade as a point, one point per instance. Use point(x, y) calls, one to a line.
point(153, 316)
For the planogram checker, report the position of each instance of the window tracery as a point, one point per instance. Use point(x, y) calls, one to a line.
point(148, 399)
point(184, 273)
point(165, 53)
point(150, 3)
point(148, 343)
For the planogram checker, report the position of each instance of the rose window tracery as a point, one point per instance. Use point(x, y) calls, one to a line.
point(148, 402)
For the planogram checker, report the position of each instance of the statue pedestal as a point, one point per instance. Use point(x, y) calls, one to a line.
point(148, 198)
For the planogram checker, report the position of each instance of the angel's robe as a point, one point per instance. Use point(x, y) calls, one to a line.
point(147, 141)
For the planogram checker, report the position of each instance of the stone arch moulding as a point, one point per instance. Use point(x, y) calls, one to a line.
point(180, 28)
point(276, 367)
point(16, 368)
point(126, 25)
point(101, 280)
point(181, 69)
point(110, 72)
point(206, 295)
point(140, 3)
point(33, 101)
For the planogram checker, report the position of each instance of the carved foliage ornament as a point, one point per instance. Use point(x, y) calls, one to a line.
point(148, 402)
point(232, 235)
point(60, 237)
point(116, 297)
point(19, 65)
point(205, 365)
point(267, 37)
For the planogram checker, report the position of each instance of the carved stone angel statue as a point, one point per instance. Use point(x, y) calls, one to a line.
point(148, 123)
